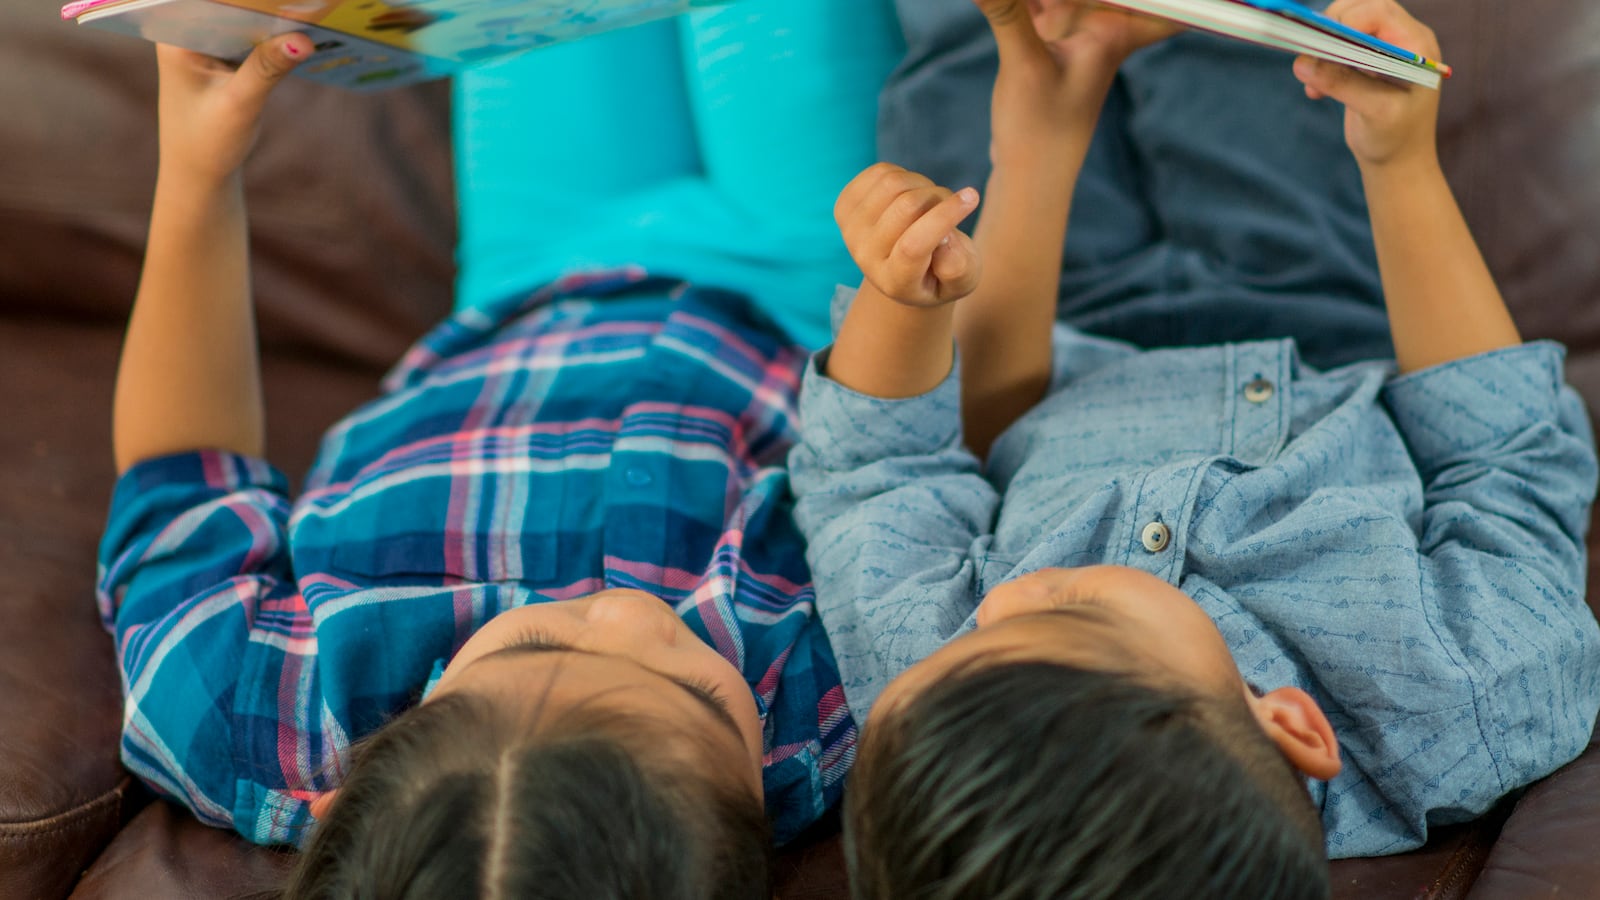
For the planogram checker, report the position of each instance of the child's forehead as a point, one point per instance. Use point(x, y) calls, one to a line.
point(1079, 638)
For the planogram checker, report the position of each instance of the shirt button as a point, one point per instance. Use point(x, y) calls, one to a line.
point(1156, 537)
point(637, 477)
point(1258, 391)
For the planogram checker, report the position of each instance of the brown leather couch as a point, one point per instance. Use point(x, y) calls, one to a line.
point(351, 201)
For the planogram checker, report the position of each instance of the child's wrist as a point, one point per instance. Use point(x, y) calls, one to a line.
point(190, 176)
point(1050, 137)
point(1048, 165)
point(184, 195)
point(1400, 168)
point(889, 349)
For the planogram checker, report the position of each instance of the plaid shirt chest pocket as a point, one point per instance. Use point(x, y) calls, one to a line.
point(480, 513)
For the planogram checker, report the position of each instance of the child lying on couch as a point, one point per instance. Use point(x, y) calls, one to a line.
point(538, 625)
point(1110, 607)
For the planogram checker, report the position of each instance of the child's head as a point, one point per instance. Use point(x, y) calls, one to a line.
point(590, 748)
point(1091, 739)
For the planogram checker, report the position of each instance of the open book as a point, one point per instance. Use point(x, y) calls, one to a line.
point(366, 44)
point(1293, 27)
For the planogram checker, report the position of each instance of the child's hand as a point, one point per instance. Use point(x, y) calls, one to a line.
point(1119, 31)
point(901, 230)
point(210, 110)
point(1057, 60)
point(1385, 122)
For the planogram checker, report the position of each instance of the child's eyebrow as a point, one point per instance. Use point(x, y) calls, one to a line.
point(712, 704)
point(1092, 612)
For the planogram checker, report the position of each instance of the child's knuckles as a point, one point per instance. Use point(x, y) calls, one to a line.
point(1002, 12)
point(269, 66)
point(910, 206)
point(905, 269)
point(902, 261)
point(905, 181)
point(876, 174)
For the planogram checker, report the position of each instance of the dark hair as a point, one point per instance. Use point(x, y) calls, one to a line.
point(1037, 781)
point(450, 800)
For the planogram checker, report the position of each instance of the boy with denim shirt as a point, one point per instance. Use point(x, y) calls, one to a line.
point(1205, 572)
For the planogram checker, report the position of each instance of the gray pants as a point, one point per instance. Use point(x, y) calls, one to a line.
point(1217, 202)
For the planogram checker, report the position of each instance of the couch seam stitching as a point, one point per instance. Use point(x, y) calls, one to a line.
point(17, 832)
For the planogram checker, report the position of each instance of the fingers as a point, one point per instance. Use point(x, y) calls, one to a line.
point(1383, 19)
point(901, 229)
point(1355, 89)
point(933, 229)
point(931, 250)
point(865, 185)
point(265, 67)
point(956, 265)
point(1012, 24)
point(880, 205)
point(1388, 21)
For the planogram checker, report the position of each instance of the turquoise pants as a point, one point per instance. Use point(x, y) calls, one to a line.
point(709, 147)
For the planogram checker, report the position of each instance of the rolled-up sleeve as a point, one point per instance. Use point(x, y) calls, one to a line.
point(1506, 455)
point(898, 518)
point(196, 587)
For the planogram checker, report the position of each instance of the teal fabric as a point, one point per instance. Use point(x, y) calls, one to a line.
point(710, 147)
point(547, 146)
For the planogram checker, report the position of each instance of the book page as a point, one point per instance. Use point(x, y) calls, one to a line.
point(465, 31)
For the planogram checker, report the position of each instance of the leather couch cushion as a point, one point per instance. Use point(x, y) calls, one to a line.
point(1519, 140)
point(351, 196)
point(1547, 846)
point(164, 852)
point(1443, 870)
point(63, 793)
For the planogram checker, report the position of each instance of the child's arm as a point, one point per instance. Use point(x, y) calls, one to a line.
point(1047, 98)
point(189, 377)
point(1504, 448)
point(1443, 303)
point(900, 228)
point(197, 543)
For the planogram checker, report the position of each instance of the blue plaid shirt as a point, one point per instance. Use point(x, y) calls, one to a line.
point(609, 432)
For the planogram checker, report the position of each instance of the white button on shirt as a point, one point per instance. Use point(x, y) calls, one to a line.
point(1156, 537)
point(1258, 391)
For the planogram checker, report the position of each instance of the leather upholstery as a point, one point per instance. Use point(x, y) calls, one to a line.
point(351, 195)
point(351, 209)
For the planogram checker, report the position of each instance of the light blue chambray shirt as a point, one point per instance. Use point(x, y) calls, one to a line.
point(1409, 550)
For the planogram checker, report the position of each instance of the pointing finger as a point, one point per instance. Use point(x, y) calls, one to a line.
point(916, 246)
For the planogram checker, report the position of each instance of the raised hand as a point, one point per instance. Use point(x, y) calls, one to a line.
point(1385, 121)
point(1057, 60)
point(1119, 31)
point(901, 230)
point(210, 110)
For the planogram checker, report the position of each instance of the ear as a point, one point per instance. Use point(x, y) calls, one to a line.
point(1297, 725)
point(321, 805)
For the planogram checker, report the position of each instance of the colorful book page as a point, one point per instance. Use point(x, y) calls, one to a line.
point(467, 31)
